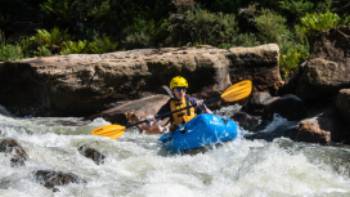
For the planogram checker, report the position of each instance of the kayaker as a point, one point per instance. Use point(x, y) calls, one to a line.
point(181, 99)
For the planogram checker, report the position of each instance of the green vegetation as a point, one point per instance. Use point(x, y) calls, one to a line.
point(48, 27)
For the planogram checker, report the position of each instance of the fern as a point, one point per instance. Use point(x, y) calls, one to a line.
point(320, 22)
point(9, 52)
point(74, 47)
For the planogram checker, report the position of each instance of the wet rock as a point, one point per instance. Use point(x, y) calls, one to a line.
point(134, 110)
point(343, 104)
point(289, 106)
point(4, 112)
point(257, 102)
point(18, 154)
point(50, 179)
point(246, 121)
point(92, 153)
point(324, 128)
point(309, 130)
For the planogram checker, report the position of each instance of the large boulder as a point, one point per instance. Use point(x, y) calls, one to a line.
point(323, 128)
point(343, 104)
point(321, 79)
point(256, 63)
point(134, 110)
point(328, 69)
point(84, 84)
point(289, 106)
point(310, 130)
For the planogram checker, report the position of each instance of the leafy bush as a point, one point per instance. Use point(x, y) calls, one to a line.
point(292, 54)
point(102, 45)
point(272, 27)
point(99, 45)
point(200, 27)
point(44, 42)
point(9, 52)
point(140, 34)
point(296, 8)
point(345, 21)
point(74, 47)
point(246, 39)
point(317, 22)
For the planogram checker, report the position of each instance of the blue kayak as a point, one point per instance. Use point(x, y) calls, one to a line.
point(201, 131)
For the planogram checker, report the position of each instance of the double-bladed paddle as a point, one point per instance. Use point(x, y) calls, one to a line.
point(234, 93)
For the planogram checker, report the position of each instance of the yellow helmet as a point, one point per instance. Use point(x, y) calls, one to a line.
point(178, 81)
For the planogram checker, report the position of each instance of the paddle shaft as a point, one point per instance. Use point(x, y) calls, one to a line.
point(161, 116)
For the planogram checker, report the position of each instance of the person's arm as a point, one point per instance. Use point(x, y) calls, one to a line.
point(201, 107)
point(153, 125)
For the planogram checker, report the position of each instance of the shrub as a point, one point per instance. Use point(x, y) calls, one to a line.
point(345, 21)
point(292, 54)
point(200, 27)
point(272, 27)
point(101, 45)
point(317, 22)
point(70, 47)
point(140, 34)
point(44, 42)
point(246, 39)
point(9, 52)
point(296, 8)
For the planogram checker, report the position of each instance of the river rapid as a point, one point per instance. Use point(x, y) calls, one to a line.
point(137, 166)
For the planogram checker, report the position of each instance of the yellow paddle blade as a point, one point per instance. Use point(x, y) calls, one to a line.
point(113, 131)
point(237, 91)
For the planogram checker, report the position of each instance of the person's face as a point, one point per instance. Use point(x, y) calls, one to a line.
point(179, 92)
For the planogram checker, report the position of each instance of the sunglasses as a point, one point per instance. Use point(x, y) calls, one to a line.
point(180, 89)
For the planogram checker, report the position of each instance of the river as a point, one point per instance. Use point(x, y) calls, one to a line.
point(136, 165)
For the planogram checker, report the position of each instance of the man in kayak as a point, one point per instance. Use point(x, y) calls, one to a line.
point(180, 99)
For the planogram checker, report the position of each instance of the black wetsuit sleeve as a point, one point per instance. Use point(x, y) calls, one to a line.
point(164, 109)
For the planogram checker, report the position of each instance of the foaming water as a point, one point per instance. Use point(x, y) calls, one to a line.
point(136, 165)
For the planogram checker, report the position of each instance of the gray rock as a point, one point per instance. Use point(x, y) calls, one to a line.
point(50, 179)
point(321, 79)
point(18, 154)
point(92, 153)
point(134, 110)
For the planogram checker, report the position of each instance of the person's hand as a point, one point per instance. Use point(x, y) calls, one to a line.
point(199, 102)
point(150, 119)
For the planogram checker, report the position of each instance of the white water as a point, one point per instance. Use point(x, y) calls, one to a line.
point(136, 165)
